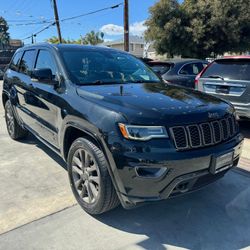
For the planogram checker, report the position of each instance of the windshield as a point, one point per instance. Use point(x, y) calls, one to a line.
point(234, 69)
point(106, 67)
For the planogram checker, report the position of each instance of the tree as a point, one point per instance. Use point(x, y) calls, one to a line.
point(93, 38)
point(55, 40)
point(199, 28)
point(4, 35)
point(218, 26)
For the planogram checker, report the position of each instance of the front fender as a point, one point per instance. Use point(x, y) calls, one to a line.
point(99, 138)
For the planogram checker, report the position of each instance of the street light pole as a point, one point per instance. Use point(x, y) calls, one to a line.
point(57, 21)
point(126, 26)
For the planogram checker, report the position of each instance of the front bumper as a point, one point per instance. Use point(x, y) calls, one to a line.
point(242, 109)
point(179, 172)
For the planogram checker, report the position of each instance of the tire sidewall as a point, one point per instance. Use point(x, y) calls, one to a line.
point(8, 108)
point(96, 206)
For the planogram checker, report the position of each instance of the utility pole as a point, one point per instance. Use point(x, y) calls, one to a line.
point(126, 26)
point(57, 21)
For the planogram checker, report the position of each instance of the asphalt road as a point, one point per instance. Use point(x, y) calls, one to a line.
point(38, 211)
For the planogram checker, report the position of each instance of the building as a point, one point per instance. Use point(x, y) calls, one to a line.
point(137, 46)
point(7, 51)
point(15, 43)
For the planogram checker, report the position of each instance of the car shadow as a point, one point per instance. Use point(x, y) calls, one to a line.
point(31, 139)
point(245, 128)
point(216, 217)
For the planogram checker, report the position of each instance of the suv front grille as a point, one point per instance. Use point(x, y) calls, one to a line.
point(204, 134)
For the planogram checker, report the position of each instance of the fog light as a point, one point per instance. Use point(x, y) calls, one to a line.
point(147, 172)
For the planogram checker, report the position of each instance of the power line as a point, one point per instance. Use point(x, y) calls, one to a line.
point(92, 12)
point(26, 20)
point(74, 17)
point(40, 31)
point(31, 22)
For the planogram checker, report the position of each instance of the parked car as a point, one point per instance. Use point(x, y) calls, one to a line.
point(127, 136)
point(179, 71)
point(228, 78)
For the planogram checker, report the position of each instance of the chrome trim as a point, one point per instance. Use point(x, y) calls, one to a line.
point(225, 84)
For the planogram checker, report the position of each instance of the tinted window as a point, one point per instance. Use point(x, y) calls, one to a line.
point(161, 68)
point(230, 69)
point(27, 62)
point(192, 69)
point(45, 60)
point(15, 61)
point(104, 66)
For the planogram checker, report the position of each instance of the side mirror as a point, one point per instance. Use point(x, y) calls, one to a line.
point(44, 75)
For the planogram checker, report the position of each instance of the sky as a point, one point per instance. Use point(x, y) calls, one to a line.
point(20, 12)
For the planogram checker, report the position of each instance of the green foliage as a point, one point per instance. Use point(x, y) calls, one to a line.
point(92, 38)
point(55, 40)
point(200, 28)
point(4, 35)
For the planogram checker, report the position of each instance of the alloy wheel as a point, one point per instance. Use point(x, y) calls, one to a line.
point(10, 120)
point(86, 176)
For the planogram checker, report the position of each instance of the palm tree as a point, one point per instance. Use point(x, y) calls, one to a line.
point(93, 38)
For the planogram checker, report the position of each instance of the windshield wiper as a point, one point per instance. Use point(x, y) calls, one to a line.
point(142, 81)
point(216, 76)
point(99, 82)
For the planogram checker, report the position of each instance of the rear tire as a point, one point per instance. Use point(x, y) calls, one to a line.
point(14, 129)
point(89, 178)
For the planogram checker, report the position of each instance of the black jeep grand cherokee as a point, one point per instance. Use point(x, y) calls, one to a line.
point(126, 136)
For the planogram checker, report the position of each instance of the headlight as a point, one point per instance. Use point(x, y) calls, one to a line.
point(142, 133)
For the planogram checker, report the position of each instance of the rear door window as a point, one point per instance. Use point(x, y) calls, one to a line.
point(15, 61)
point(229, 69)
point(191, 69)
point(160, 68)
point(27, 62)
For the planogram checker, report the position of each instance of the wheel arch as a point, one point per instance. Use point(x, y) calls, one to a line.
point(71, 133)
point(79, 130)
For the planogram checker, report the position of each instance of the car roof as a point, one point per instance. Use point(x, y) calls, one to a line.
point(69, 47)
point(177, 61)
point(237, 57)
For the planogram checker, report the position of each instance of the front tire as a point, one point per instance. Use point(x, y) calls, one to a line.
point(89, 178)
point(14, 129)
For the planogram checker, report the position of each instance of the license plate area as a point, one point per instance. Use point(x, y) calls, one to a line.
point(222, 162)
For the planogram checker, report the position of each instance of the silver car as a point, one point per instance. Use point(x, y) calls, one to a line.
point(229, 79)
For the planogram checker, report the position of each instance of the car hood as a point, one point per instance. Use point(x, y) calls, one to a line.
point(156, 103)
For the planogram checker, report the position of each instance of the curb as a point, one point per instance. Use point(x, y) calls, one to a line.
point(241, 171)
point(244, 163)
